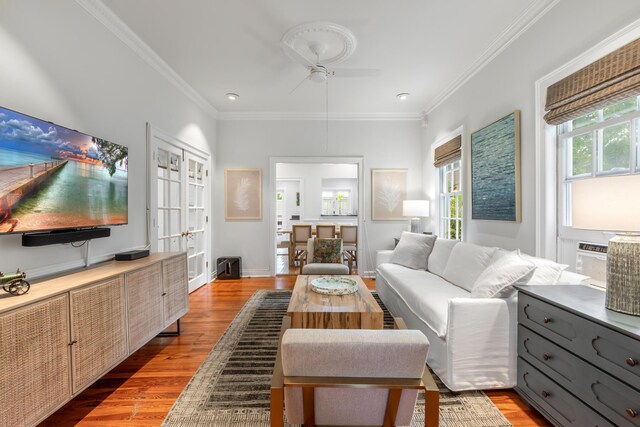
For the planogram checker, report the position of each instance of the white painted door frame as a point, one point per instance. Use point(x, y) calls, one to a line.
point(273, 161)
point(154, 137)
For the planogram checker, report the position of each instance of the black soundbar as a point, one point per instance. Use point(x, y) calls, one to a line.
point(63, 236)
point(131, 255)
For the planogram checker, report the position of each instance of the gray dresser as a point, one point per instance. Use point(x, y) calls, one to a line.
point(578, 363)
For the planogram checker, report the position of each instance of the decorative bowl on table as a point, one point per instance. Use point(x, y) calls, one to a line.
point(334, 285)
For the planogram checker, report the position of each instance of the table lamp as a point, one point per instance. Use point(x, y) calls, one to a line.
point(415, 209)
point(612, 204)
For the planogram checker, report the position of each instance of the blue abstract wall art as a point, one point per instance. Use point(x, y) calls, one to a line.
point(495, 170)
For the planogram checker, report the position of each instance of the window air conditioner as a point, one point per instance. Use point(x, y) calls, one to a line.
point(591, 260)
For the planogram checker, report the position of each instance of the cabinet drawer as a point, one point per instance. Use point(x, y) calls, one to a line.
point(555, 323)
point(612, 398)
point(611, 351)
point(562, 406)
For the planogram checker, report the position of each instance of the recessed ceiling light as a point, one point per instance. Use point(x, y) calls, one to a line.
point(232, 96)
point(402, 96)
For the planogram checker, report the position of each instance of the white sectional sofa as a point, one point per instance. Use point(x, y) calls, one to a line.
point(472, 339)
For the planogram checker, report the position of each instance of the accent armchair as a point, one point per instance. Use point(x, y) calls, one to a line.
point(324, 256)
point(351, 377)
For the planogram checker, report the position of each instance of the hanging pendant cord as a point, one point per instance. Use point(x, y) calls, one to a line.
point(327, 111)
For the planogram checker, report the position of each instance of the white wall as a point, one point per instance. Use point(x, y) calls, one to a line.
point(507, 84)
point(251, 143)
point(60, 64)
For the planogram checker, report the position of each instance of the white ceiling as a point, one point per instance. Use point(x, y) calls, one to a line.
point(424, 47)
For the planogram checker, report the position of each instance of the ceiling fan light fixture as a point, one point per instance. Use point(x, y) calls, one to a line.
point(232, 96)
point(402, 96)
point(318, 75)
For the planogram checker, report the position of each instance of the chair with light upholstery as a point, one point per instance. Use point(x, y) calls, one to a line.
point(349, 236)
point(301, 233)
point(324, 257)
point(325, 231)
point(351, 377)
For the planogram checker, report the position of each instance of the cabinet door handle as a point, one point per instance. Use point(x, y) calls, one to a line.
point(632, 413)
point(631, 361)
point(73, 342)
point(546, 356)
point(545, 394)
point(546, 319)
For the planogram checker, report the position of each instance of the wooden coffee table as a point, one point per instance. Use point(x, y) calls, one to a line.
point(309, 309)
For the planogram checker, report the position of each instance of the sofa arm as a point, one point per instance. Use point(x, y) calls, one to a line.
point(481, 339)
point(383, 257)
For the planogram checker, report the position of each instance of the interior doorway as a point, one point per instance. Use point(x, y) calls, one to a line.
point(312, 190)
point(179, 204)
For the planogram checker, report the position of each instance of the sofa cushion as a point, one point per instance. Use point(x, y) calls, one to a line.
point(498, 278)
point(465, 264)
point(547, 272)
point(413, 250)
point(440, 255)
point(424, 293)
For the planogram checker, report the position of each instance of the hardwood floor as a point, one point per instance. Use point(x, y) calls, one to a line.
point(141, 390)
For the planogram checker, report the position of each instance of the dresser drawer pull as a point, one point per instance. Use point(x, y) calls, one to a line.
point(546, 356)
point(546, 394)
point(631, 361)
point(547, 319)
point(631, 413)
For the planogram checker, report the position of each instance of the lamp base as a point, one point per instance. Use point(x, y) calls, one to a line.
point(623, 274)
point(416, 226)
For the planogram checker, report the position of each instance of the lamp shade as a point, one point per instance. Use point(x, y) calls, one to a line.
point(608, 203)
point(415, 208)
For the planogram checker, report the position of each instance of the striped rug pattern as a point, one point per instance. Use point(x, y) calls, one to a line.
point(231, 387)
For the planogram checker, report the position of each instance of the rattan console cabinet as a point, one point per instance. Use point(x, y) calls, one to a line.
point(68, 331)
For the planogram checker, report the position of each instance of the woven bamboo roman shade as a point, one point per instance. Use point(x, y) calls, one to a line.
point(610, 79)
point(448, 152)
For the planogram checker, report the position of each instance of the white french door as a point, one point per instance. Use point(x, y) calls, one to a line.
point(197, 218)
point(179, 206)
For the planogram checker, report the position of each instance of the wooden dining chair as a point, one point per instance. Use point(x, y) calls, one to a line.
point(325, 231)
point(301, 234)
point(349, 235)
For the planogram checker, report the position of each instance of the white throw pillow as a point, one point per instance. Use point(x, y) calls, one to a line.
point(413, 250)
point(466, 263)
point(498, 278)
point(440, 255)
point(547, 272)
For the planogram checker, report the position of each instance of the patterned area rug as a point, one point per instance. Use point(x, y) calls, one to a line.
point(231, 387)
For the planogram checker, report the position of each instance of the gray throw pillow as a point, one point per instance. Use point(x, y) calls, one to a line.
point(413, 250)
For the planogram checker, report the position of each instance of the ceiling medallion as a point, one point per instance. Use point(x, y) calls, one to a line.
point(336, 41)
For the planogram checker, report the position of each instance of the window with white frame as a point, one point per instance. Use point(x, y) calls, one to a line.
point(451, 200)
point(336, 202)
point(603, 142)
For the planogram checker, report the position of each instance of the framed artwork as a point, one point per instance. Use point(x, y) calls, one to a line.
point(388, 190)
point(242, 194)
point(495, 170)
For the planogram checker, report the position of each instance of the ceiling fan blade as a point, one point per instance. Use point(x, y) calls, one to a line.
point(296, 56)
point(354, 72)
point(298, 85)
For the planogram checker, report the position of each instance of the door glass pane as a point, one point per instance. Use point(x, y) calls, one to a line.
point(616, 148)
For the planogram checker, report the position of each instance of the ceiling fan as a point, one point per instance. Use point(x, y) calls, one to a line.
point(318, 70)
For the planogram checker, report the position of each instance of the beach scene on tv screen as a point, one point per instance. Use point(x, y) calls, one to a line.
point(52, 177)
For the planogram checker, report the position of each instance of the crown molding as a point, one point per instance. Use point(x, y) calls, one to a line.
point(283, 115)
point(113, 23)
point(535, 11)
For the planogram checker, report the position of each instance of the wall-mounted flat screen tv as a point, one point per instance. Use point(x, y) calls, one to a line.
point(52, 177)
